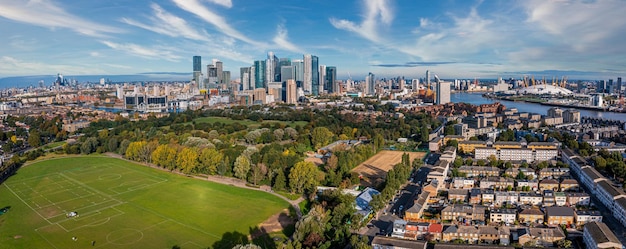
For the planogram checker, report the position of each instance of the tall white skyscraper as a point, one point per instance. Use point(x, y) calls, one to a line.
point(252, 85)
point(270, 67)
point(443, 91)
point(370, 84)
point(415, 84)
point(220, 71)
point(427, 78)
point(322, 73)
point(307, 83)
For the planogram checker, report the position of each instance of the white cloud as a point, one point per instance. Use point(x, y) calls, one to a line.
point(145, 52)
point(94, 54)
point(225, 3)
point(582, 25)
point(464, 37)
point(196, 8)
point(47, 14)
point(13, 66)
point(375, 12)
point(282, 41)
point(165, 23)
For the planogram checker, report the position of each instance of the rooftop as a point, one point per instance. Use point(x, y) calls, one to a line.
point(592, 173)
point(398, 243)
point(559, 211)
point(531, 211)
point(609, 188)
point(601, 233)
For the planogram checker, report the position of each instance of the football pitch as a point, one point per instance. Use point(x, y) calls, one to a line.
point(123, 205)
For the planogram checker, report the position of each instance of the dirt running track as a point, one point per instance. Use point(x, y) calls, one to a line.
point(374, 169)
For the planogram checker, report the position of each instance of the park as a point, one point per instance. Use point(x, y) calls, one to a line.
point(125, 205)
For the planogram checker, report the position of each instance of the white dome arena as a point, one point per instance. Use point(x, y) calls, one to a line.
point(544, 89)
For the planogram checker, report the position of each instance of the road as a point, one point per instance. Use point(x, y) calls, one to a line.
point(384, 223)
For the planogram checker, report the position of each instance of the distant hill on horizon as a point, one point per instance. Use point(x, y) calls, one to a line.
point(33, 80)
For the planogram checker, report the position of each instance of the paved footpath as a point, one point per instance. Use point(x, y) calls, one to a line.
point(223, 180)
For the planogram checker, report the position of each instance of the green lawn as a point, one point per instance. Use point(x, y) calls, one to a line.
point(247, 122)
point(53, 145)
point(124, 205)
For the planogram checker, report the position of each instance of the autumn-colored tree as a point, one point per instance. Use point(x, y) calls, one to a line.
point(242, 167)
point(321, 136)
point(165, 156)
point(210, 159)
point(187, 160)
point(303, 175)
point(134, 149)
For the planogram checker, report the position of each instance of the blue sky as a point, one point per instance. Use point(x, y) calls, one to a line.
point(452, 38)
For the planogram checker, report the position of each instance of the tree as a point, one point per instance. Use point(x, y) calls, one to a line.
point(600, 162)
point(242, 167)
point(89, 145)
point(133, 150)
point(321, 136)
point(210, 159)
point(331, 163)
point(508, 165)
point(279, 134)
point(542, 165)
point(564, 243)
point(359, 242)
point(165, 156)
point(34, 139)
point(279, 181)
point(123, 147)
point(453, 142)
point(258, 172)
point(112, 144)
point(379, 142)
point(377, 202)
point(303, 175)
point(248, 246)
point(187, 160)
point(493, 161)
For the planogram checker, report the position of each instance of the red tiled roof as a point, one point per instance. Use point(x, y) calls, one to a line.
point(435, 228)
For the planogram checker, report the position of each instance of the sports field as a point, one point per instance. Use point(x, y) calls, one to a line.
point(123, 205)
point(374, 169)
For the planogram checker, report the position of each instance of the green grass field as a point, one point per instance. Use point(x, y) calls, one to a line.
point(53, 145)
point(247, 122)
point(124, 205)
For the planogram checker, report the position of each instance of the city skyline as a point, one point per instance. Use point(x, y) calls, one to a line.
point(388, 38)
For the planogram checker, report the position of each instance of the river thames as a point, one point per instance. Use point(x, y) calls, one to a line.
point(478, 99)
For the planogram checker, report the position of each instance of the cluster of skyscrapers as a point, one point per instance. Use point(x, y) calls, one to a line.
point(285, 79)
point(307, 73)
point(216, 77)
point(609, 86)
